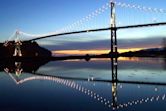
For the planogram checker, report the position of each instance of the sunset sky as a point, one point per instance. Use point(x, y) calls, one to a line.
point(45, 16)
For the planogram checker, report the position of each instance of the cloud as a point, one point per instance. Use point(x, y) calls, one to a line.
point(105, 44)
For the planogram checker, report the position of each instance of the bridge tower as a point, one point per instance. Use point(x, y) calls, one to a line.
point(17, 51)
point(113, 30)
point(114, 53)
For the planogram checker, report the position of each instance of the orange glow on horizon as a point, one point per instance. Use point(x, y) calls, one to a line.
point(91, 52)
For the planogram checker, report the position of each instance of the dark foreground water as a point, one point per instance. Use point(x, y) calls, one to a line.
point(78, 85)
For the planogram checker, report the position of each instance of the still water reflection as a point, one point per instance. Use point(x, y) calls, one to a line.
point(78, 85)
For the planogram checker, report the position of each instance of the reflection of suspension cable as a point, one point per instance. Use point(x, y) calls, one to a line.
point(141, 101)
point(88, 92)
point(70, 84)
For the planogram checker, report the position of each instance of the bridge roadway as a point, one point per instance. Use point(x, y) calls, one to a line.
point(100, 80)
point(102, 29)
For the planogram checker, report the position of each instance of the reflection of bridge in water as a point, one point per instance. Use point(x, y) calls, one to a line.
point(72, 83)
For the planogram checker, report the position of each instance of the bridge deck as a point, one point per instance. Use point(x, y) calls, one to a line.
point(102, 29)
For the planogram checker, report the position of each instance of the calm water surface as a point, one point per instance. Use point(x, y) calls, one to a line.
point(78, 85)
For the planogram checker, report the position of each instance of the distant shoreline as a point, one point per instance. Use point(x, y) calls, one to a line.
point(86, 57)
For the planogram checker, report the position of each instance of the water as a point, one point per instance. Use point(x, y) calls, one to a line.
point(78, 85)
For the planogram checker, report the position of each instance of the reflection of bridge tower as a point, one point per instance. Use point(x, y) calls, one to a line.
point(114, 81)
point(114, 95)
point(17, 51)
point(18, 69)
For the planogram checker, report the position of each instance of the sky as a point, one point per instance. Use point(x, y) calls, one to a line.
point(45, 16)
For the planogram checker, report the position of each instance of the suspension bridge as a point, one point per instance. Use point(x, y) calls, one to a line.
point(113, 28)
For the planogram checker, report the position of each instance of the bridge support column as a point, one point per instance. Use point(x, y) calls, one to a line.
point(113, 30)
point(114, 51)
point(17, 51)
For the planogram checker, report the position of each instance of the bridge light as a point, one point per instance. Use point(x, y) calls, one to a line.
point(156, 89)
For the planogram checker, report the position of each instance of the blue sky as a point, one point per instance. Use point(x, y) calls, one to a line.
point(44, 16)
